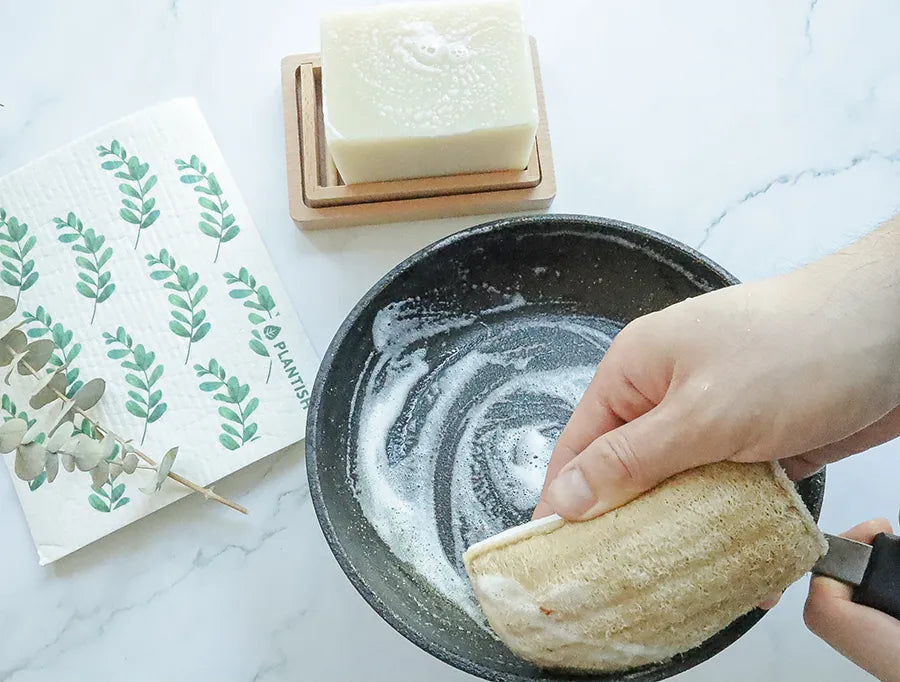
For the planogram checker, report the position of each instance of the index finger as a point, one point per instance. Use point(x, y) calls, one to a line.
point(592, 418)
point(609, 401)
point(865, 636)
point(827, 588)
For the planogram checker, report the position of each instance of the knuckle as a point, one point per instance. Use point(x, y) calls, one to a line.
point(706, 404)
point(629, 402)
point(596, 400)
point(622, 458)
point(816, 614)
point(812, 614)
point(634, 331)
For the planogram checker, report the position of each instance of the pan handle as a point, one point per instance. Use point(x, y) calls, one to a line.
point(880, 586)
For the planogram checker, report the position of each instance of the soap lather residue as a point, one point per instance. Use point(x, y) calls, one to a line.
point(456, 416)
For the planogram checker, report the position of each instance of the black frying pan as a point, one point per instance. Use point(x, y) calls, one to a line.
point(536, 274)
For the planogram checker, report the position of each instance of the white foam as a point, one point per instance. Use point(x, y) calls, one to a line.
point(453, 416)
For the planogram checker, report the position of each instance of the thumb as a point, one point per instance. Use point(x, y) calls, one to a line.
point(623, 463)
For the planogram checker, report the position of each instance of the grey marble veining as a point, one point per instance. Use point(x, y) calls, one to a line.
point(763, 132)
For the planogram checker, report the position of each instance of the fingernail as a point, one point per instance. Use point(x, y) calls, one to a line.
point(569, 494)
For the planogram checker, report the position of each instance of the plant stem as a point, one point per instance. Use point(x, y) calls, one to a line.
point(222, 226)
point(97, 273)
point(206, 492)
point(110, 500)
point(141, 192)
point(21, 276)
point(269, 313)
point(243, 423)
point(147, 384)
point(3, 223)
point(221, 213)
point(271, 317)
point(190, 299)
point(64, 363)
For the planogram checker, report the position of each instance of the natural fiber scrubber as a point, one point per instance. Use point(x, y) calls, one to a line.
point(648, 580)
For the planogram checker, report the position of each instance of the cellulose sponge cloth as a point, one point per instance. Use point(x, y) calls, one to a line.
point(648, 580)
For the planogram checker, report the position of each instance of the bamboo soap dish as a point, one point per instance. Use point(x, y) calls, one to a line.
point(318, 198)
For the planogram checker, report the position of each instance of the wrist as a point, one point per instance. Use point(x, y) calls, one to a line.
point(857, 290)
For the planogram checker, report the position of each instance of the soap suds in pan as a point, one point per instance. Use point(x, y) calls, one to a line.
point(456, 416)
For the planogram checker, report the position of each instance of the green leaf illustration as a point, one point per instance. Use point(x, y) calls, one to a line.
point(216, 222)
point(16, 269)
point(97, 503)
point(39, 324)
point(110, 496)
point(143, 373)
point(93, 281)
point(188, 321)
point(10, 411)
point(262, 306)
point(237, 430)
point(138, 208)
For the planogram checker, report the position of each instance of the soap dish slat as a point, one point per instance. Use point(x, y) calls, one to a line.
point(318, 198)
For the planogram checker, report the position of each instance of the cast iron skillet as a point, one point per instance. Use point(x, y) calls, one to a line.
point(578, 265)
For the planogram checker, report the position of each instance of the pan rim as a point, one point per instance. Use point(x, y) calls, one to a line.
point(561, 222)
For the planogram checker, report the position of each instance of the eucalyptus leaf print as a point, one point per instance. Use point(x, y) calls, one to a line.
point(188, 320)
point(15, 244)
point(216, 222)
point(93, 280)
point(262, 309)
point(237, 429)
point(10, 411)
point(145, 401)
point(138, 208)
point(40, 324)
point(106, 496)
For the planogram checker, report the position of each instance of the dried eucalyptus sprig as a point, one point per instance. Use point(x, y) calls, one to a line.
point(9, 409)
point(105, 457)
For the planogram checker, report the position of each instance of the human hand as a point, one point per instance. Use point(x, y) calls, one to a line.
point(869, 638)
point(801, 368)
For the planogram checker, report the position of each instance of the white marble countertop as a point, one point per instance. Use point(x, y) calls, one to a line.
point(765, 133)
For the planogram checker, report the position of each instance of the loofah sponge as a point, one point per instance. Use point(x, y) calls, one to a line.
point(651, 579)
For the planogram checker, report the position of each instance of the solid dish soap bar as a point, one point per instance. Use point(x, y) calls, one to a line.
point(426, 89)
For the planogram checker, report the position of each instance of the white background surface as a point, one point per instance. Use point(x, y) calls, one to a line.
point(765, 132)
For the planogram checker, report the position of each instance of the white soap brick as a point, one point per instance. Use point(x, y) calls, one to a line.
point(426, 89)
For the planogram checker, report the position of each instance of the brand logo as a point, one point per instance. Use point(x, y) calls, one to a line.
point(293, 374)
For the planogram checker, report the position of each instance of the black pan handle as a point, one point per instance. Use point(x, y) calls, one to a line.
point(880, 586)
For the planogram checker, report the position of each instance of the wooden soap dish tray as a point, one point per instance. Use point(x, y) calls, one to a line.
point(318, 197)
